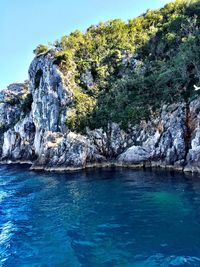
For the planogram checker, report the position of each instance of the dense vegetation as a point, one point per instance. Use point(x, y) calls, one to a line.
point(124, 72)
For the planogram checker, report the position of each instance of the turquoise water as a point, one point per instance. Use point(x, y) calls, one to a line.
point(99, 218)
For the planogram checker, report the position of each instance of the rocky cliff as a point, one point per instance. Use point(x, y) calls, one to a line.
point(33, 129)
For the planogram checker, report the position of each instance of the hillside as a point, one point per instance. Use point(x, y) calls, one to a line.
point(123, 72)
point(120, 94)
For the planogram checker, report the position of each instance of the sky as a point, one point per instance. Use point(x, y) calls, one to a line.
point(26, 23)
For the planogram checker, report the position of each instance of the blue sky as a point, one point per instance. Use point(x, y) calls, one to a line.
point(26, 23)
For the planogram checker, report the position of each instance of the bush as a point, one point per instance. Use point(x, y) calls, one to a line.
point(136, 67)
point(40, 49)
point(78, 116)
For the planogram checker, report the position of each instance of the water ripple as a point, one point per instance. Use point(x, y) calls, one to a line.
point(98, 218)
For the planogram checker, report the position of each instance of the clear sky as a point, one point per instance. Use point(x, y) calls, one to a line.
point(26, 23)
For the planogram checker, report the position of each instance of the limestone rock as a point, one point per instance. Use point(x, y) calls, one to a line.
point(109, 143)
point(65, 151)
point(11, 104)
point(33, 128)
point(171, 148)
point(164, 143)
point(134, 154)
point(193, 156)
point(51, 96)
point(18, 141)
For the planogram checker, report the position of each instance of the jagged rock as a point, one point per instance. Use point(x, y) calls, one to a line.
point(51, 97)
point(12, 107)
point(65, 151)
point(193, 156)
point(140, 153)
point(11, 104)
point(39, 133)
point(171, 149)
point(18, 141)
point(50, 94)
point(164, 142)
point(109, 143)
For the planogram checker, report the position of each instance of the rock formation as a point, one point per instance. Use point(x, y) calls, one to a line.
point(33, 129)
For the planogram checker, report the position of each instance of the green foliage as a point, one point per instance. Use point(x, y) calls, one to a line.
point(40, 49)
point(65, 59)
point(164, 46)
point(78, 116)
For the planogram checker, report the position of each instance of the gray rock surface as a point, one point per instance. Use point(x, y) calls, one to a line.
point(33, 128)
point(51, 94)
point(193, 155)
point(18, 141)
point(11, 104)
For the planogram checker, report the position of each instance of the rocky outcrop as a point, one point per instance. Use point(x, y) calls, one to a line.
point(193, 155)
point(11, 104)
point(109, 143)
point(18, 141)
point(51, 96)
point(15, 102)
point(63, 151)
point(33, 128)
point(167, 145)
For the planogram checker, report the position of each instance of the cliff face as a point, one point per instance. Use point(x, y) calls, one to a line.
point(33, 129)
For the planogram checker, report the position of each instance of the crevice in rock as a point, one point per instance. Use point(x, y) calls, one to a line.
point(38, 77)
point(188, 130)
point(109, 154)
point(189, 120)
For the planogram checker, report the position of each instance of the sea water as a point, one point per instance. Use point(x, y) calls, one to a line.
point(111, 217)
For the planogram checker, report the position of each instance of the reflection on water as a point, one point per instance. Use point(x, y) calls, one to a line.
point(99, 218)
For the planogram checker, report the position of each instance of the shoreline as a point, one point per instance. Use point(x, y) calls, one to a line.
point(143, 165)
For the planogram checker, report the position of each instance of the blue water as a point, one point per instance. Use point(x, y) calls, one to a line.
point(99, 218)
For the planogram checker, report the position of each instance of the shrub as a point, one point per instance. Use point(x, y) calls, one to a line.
point(40, 49)
point(136, 67)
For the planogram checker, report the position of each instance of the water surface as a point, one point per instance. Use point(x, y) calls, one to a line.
point(99, 218)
